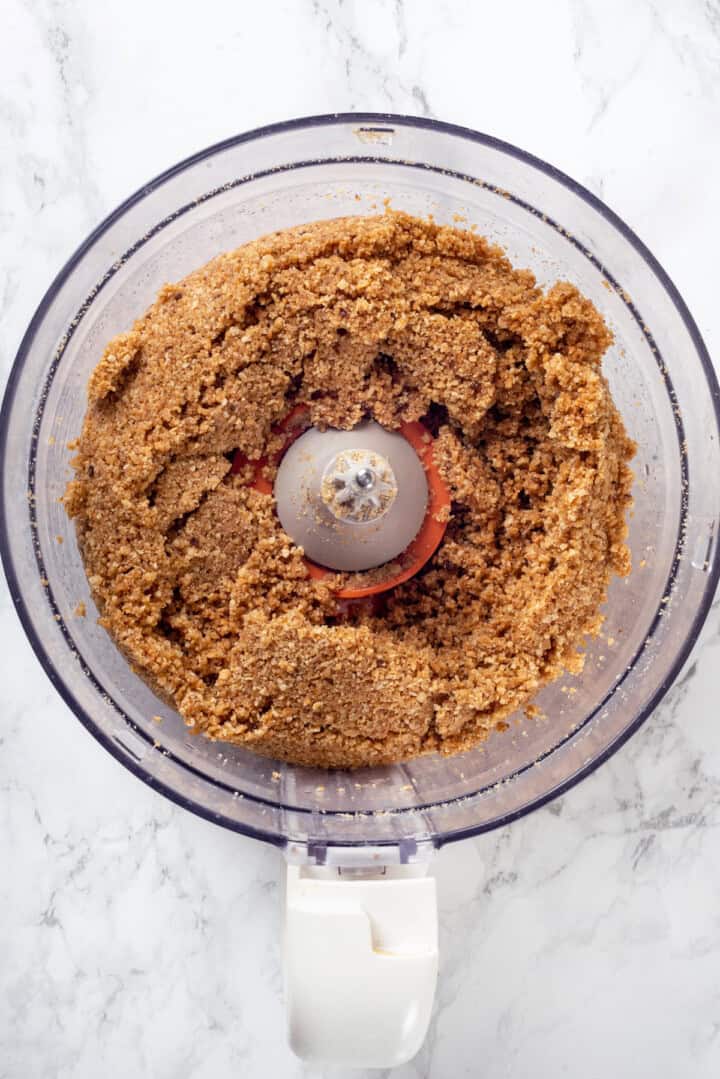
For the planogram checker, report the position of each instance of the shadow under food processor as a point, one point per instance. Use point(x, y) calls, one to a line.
point(361, 938)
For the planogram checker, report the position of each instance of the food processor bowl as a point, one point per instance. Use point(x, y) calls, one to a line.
point(661, 379)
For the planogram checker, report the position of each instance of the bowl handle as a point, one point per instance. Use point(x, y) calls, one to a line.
point(361, 960)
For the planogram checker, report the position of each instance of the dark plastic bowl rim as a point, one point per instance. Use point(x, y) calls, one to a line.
point(379, 119)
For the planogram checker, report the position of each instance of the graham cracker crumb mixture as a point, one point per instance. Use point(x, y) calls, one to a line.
point(387, 317)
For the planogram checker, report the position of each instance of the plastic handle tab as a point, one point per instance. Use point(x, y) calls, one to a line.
point(361, 959)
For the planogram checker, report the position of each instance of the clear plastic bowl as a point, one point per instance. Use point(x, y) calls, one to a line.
point(659, 372)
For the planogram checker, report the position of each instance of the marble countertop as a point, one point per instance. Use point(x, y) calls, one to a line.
point(136, 939)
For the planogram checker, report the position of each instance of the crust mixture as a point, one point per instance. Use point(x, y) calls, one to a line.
point(389, 317)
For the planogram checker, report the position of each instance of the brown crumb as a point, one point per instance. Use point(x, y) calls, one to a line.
point(80, 609)
point(386, 317)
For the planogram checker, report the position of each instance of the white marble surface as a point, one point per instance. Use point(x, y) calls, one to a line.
point(138, 940)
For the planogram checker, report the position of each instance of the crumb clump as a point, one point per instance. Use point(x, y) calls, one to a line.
point(384, 317)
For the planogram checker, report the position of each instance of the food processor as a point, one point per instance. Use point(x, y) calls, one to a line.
point(360, 934)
